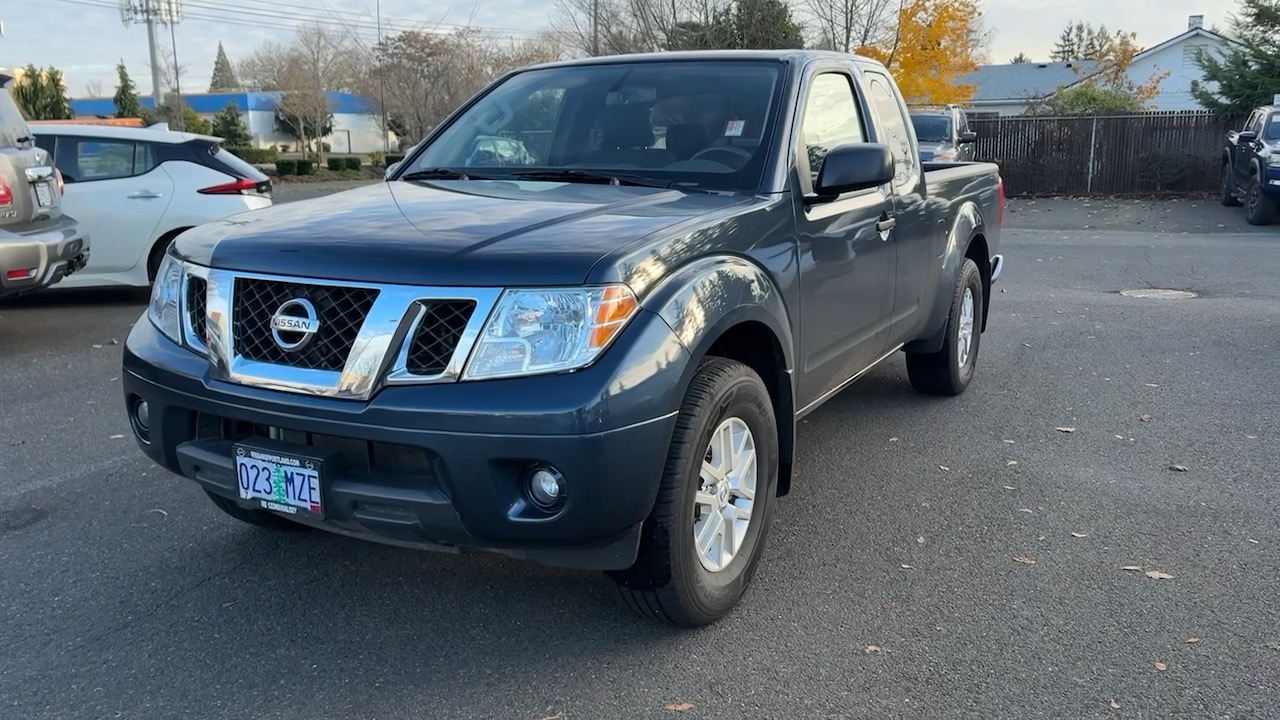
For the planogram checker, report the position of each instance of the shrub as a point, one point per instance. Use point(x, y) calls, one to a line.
point(353, 163)
point(336, 164)
point(306, 167)
point(254, 155)
point(377, 159)
point(286, 167)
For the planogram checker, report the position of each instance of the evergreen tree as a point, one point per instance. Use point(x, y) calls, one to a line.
point(1020, 59)
point(1247, 75)
point(41, 94)
point(224, 77)
point(126, 97)
point(228, 126)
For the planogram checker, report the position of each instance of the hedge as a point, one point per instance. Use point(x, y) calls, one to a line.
point(353, 163)
point(306, 167)
point(336, 164)
point(253, 154)
point(286, 167)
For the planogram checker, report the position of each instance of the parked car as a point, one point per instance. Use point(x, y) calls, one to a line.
point(596, 362)
point(1251, 166)
point(138, 188)
point(40, 243)
point(943, 133)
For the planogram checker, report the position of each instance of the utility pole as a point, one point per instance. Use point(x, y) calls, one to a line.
point(382, 91)
point(152, 13)
point(595, 28)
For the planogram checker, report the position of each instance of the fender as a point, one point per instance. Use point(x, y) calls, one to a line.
point(707, 297)
point(967, 225)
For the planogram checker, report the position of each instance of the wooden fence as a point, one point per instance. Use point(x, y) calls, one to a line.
point(1171, 153)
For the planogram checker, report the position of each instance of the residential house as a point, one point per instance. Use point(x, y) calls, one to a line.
point(1010, 89)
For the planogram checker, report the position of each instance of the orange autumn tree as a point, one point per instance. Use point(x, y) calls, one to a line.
point(933, 45)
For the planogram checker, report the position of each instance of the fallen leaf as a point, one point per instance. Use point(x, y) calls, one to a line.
point(116, 437)
point(871, 649)
point(1157, 575)
point(1193, 640)
point(679, 706)
point(1161, 666)
point(1079, 535)
point(1026, 344)
point(229, 604)
point(943, 467)
point(1252, 437)
point(1151, 384)
point(1011, 442)
point(1024, 560)
point(1114, 705)
point(1026, 510)
point(1010, 487)
point(893, 439)
point(1255, 542)
point(1145, 418)
point(920, 539)
point(1119, 437)
point(115, 341)
point(1132, 568)
point(1011, 463)
point(158, 510)
point(908, 567)
point(1065, 429)
point(97, 347)
point(1178, 468)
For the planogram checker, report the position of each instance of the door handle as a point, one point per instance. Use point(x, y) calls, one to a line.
point(144, 195)
point(884, 225)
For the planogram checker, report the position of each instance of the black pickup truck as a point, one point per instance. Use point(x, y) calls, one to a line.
point(588, 346)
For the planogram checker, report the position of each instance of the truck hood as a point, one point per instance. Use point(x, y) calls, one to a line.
point(453, 232)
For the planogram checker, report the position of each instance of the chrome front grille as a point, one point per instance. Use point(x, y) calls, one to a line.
point(437, 335)
point(364, 337)
point(341, 312)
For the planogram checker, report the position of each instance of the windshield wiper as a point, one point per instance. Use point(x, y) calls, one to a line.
point(441, 173)
point(568, 175)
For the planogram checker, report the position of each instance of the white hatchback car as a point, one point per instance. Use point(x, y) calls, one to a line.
point(135, 189)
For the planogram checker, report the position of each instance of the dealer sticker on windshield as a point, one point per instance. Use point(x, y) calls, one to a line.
point(734, 128)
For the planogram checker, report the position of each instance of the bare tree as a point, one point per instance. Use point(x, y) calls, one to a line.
point(846, 25)
point(265, 68)
point(94, 88)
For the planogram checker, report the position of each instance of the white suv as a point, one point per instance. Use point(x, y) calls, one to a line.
point(136, 189)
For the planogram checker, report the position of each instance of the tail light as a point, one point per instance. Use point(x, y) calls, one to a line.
point(6, 194)
point(239, 186)
point(1000, 193)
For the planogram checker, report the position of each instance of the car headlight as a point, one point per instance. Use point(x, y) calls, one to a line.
point(549, 330)
point(1273, 159)
point(164, 311)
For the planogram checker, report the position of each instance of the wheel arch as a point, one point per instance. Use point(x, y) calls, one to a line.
point(157, 249)
point(967, 238)
point(727, 306)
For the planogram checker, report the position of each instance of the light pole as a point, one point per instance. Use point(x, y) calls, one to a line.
point(151, 13)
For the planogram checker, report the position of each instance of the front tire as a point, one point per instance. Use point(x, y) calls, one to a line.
point(706, 533)
point(950, 370)
point(1260, 210)
point(260, 518)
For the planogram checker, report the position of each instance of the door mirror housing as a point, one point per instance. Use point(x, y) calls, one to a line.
point(391, 169)
point(850, 168)
point(1248, 136)
point(968, 137)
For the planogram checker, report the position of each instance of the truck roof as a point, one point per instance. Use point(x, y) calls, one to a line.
point(787, 55)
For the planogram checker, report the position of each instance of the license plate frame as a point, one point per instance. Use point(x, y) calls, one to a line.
point(44, 194)
point(275, 478)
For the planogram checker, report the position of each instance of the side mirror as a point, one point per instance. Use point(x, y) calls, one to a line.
point(850, 168)
point(390, 169)
point(968, 137)
point(1248, 136)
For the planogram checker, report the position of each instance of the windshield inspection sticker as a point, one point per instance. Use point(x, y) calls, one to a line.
point(734, 128)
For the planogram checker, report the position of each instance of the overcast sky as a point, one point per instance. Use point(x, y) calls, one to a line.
point(85, 38)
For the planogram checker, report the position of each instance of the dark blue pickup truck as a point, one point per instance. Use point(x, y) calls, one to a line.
point(592, 354)
point(1251, 167)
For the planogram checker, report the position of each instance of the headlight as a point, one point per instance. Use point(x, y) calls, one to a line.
point(549, 330)
point(166, 292)
point(1273, 159)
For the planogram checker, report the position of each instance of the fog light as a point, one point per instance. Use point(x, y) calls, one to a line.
point(140, 418)
point(546, 487)
point(143, 412)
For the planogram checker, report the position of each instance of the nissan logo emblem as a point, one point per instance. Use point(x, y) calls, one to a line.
point(294, 324)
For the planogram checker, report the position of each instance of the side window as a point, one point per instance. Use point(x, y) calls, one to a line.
point(85, 159)
point(893, 125)
point(1255, 122)
point(46, 143)
point(831, 118)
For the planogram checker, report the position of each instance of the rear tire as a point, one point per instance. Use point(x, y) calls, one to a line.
point(690, 582)
point(1228, 187)
point(260, 518)
point(1260, 209)
point(950, 370)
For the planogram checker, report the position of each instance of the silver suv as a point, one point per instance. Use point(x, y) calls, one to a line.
point(39, 245)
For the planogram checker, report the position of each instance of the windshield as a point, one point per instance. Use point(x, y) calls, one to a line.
point(932, 128)
point(701, 124)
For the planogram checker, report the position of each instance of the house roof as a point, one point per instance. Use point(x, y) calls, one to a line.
point(1022, 81)
point(1194, 32)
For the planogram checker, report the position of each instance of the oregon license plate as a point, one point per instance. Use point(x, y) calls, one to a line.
point(44, 194)
point(280, 482)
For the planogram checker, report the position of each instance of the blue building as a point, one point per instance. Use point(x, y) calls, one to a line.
point(356, 126)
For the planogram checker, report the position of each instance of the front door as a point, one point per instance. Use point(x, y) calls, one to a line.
point(846, 262)
point(1242, 159)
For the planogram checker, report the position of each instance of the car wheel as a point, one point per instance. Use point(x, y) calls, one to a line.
point(950, 370)
point(1259, 209)
point(1229, 198)
point(706, 533)
point(261, 518)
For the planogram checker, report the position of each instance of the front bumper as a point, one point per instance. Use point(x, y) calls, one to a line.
point(43, 257)
point(433, 467)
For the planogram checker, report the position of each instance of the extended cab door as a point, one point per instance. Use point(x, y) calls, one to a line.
point(846, 264)
point(916, 239)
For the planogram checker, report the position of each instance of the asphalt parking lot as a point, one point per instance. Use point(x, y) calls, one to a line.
point(961, 558)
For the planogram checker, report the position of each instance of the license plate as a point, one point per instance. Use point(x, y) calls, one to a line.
point(280, 482)
point(44, 194)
